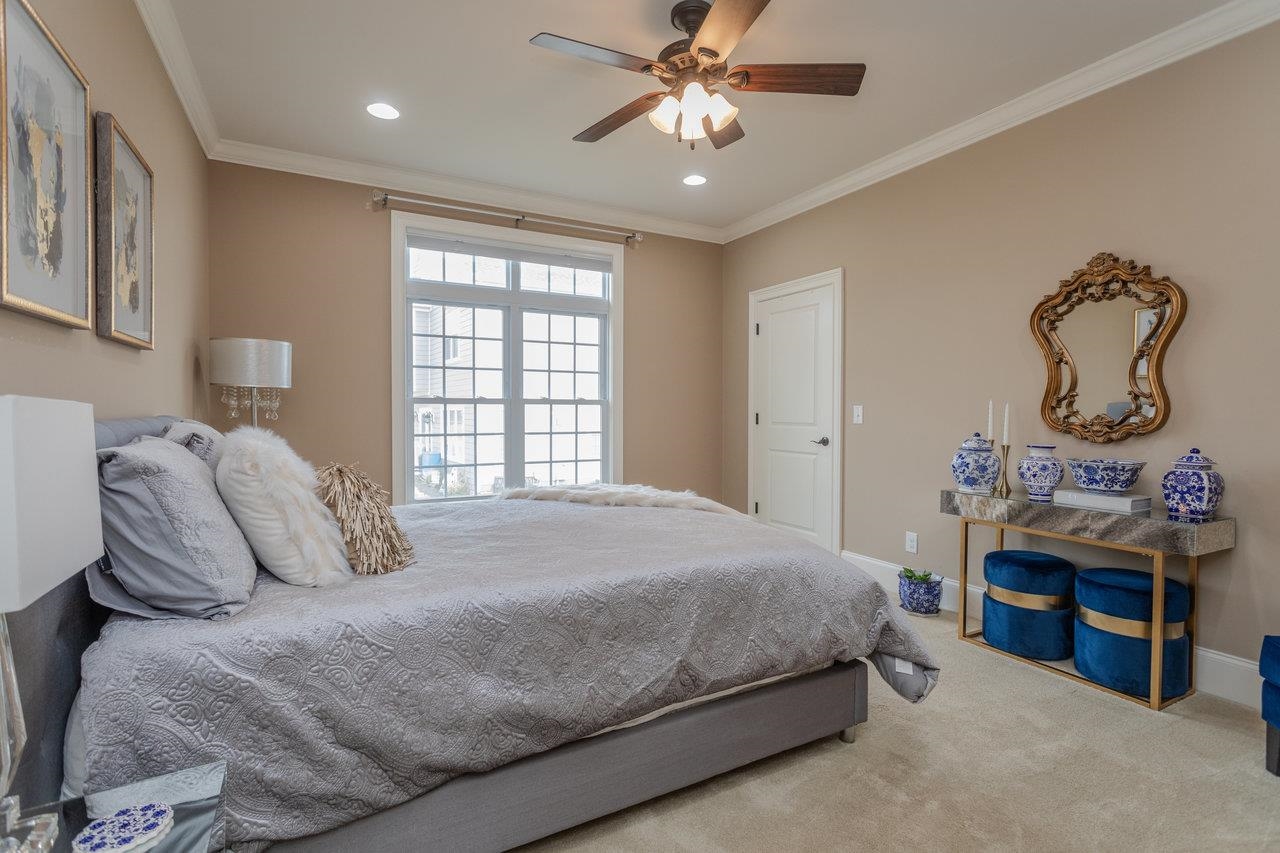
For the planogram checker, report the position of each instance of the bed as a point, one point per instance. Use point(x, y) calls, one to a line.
point(545, 663)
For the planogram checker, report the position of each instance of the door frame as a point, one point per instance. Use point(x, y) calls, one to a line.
point(834, 279)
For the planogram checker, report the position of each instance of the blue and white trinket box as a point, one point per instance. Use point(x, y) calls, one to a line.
point(128, 829)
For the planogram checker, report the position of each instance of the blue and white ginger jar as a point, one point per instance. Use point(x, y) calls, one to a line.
point(1192, 490)
point(1041, 472)
point(974, 467)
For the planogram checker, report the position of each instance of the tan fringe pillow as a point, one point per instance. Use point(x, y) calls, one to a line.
point(375, 543)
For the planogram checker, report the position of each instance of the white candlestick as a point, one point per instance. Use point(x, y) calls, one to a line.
point(1006, 424)
point(991, 416)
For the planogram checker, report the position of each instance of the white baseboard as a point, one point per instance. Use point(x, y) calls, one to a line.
point(1217, 673)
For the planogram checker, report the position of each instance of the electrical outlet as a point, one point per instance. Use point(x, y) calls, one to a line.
point(912, 543)
point(857, 413)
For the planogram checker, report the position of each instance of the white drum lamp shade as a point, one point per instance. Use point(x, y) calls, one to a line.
point(250, 363)
point(50, 517)
point(251, 372)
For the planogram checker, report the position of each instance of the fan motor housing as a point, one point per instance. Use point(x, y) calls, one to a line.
point(688, 15)
point(676, 48)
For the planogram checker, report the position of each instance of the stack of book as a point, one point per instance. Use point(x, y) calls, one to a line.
point(1124, 504)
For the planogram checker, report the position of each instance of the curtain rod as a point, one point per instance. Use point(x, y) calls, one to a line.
point(380, 199)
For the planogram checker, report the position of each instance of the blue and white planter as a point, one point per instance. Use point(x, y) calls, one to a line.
point(974, 467)
point(1041, 472)
point(1192, 490)
point(923, 598)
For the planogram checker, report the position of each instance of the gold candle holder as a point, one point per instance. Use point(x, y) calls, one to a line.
point(1002, 489)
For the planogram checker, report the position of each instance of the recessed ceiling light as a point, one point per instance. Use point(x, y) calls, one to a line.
point(381, 110)
point(695, 181)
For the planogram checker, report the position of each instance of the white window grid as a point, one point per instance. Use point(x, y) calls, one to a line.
point(514, 302)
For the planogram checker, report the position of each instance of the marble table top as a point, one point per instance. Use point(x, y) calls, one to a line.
point(1155, 530)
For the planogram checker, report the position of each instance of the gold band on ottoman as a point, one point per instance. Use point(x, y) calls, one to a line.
point(1028, 600)
point(1135, 628)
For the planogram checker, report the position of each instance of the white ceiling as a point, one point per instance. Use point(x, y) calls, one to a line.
point(479, 103)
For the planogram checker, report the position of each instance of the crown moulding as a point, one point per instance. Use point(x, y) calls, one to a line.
point(1229, 21)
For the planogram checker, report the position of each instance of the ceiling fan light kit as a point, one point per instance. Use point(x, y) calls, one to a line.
point(693, 67)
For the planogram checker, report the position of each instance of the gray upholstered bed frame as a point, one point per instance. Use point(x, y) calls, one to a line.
point(511, 805)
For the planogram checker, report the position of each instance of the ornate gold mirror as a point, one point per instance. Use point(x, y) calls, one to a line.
point(1104, 366)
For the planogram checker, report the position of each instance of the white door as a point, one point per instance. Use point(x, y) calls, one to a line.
point(795, 391)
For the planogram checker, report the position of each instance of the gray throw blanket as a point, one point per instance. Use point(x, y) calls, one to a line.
point(523, 625)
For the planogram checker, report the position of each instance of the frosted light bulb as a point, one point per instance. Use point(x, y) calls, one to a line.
point(693, 107)
point(721, 111)
point(663, 117)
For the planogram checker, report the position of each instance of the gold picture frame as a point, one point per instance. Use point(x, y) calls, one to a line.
point(41, 212)
point(125, 212)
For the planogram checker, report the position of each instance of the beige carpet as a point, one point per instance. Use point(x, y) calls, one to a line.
point(1000, 757)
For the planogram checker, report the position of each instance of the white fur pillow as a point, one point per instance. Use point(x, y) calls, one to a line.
point(271, 492)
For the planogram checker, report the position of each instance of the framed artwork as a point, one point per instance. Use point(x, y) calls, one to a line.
point(1145, 320)
point(126, 245)
point(46, 150)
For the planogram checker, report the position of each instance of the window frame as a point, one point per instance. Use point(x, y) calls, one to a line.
point(512, 301)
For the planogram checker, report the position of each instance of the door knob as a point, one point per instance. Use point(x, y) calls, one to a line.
point(824, 441)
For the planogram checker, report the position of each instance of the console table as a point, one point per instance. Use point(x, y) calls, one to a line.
point(1151, 535)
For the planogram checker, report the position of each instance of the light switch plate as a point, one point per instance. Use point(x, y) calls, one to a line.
point(857, 413)
point(912, 542)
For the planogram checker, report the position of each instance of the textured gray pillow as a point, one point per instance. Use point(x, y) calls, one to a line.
point(201, 439)
point(173, 548)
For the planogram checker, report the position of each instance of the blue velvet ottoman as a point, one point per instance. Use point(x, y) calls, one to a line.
point(1026, 609)
point(1269, 669)
point(1113, 632)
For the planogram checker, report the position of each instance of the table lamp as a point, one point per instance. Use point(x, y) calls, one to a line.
point(251, 372)
point(50, 529)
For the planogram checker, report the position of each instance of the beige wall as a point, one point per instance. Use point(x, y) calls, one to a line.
point(302, 259)
point(107, 40)
point(945, 263)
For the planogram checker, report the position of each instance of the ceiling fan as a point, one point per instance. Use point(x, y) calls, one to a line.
point(693, 67)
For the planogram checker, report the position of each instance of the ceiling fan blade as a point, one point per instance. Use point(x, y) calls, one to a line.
point(591, 52)
point(720, 138)
point(725, 25)
point(831, 78)
point(618, 118)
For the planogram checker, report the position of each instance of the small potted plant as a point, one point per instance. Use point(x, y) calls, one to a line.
point(921, 592)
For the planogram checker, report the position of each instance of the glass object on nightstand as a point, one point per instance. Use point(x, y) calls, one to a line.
point(195, 794)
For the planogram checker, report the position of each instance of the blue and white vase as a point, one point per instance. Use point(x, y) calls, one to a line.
point(974, 467)
point(1192, 490)
point(923, 598)
point(1041, 472)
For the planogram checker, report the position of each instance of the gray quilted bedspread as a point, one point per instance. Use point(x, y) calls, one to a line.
point(523, 625)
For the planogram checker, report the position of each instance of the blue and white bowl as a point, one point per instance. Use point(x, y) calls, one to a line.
point(1105, 476)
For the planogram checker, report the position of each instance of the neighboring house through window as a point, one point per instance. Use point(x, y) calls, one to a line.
point(506, 357)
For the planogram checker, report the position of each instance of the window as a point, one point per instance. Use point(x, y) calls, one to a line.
point(505, 364)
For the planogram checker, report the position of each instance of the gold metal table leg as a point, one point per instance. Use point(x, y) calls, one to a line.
point(1157, 630)
point(1193, 578)
point(962, 619)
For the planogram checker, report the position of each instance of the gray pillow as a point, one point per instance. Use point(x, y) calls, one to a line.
point(201, 439)
point(173, 549)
